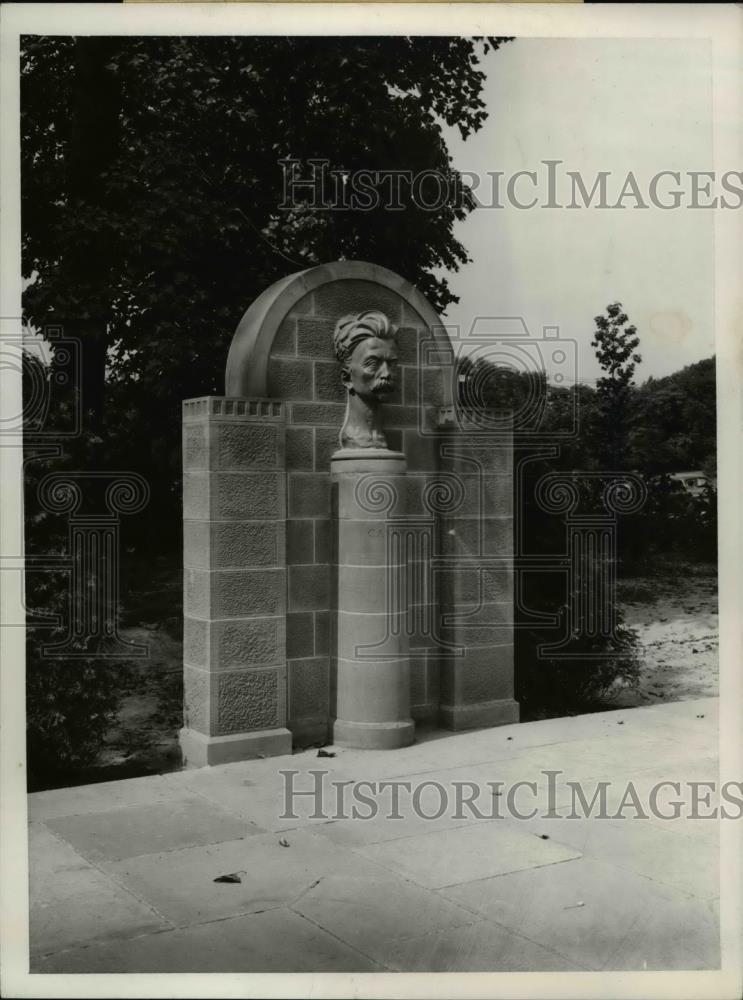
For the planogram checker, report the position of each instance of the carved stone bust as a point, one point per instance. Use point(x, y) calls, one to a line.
point(366, 349)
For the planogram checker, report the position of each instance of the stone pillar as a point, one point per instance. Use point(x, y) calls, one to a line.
point(371, 670)
point(476, 542)
point(234, 515)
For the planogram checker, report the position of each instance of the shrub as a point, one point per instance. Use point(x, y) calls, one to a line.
point(595, 671)
point(70, 702)
point(70, 706)
point(673, 524)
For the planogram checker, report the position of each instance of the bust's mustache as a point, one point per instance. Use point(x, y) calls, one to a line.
point(382, 386)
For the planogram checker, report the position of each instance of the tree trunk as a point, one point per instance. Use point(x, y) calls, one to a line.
point(94, 143)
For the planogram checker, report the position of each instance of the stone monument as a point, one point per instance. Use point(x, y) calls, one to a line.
point(347, 537)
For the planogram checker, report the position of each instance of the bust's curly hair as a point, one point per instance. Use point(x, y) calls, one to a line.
point(351, 330)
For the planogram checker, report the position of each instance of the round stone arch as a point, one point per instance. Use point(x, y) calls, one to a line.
point(255, 339)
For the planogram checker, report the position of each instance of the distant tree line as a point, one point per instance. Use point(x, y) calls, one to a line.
point(670, 422)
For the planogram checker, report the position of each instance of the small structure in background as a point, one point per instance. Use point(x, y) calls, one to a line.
point(693, 483)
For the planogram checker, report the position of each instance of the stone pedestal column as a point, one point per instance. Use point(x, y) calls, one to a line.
point(371, 669)
point(234, 648)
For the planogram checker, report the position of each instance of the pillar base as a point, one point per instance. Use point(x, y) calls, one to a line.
point(204, 751)
point(367, 460)
point(373, 735)
point(479, 716)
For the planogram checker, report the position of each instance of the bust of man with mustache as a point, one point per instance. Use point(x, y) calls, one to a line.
point(366, 348)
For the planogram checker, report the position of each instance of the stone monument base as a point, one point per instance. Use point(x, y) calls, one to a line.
point(204, 751)
point(483, 715)
point(373, 735)
point(369, 461)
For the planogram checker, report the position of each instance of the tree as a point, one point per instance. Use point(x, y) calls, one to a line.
point(615, 344)
point(673, 421)
point(503, 391)
point(152, 188)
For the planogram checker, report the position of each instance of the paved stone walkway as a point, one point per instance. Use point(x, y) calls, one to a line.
point(123, 874)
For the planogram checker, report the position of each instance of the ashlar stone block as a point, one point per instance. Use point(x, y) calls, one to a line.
point(308, 688)
point(247, 700)
point(220, 545)
point(234, 701)
point(234, 643)
point(234, 593)
point(233, 496)
point(349, 295)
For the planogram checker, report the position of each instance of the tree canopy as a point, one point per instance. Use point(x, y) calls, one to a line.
point(152, 187)
point(152, 178)
point(673, 421)
point(669, 423)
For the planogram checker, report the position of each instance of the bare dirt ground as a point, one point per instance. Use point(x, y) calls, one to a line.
point(144, 739)
point(676, 621)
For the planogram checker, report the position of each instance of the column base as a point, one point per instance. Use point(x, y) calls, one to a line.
point(479, 716)
point(204, 751)
point(373, 735)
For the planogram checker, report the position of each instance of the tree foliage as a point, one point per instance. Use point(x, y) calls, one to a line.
point(155, 162)
point(152, 188)
point(673, 421)
point(615, 341)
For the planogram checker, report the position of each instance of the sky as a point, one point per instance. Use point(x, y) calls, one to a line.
point(596, 104)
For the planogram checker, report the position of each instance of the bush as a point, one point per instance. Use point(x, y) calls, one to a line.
point(595, 671)
point(672, 524)
point(70, 702)
point(70, 706)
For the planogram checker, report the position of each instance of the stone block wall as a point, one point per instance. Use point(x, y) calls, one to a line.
point(476, 582)
point(234, 579)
